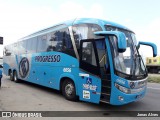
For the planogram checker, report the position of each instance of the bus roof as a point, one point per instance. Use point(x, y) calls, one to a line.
point(67, 23)
point(98, 21)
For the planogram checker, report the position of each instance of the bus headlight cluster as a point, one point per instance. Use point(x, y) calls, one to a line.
point(123, 89)
point(129, 91)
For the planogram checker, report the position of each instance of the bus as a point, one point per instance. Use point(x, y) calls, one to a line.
point(87, 59)
point(153, 64)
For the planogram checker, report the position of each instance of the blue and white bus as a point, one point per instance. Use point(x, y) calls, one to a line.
point(88, 59)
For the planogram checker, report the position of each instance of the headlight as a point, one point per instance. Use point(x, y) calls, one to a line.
point(128, 91)
point(123, 89)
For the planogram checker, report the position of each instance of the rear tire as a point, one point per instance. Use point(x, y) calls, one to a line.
point(68, 90)
point(11, 75)
point(15, 77)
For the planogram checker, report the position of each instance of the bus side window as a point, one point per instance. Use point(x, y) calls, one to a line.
point(15, 49)
point(60, 41)
point(67, 44)
point(50, 41)
point(22, 47)
point(32, 45)
point(7, 50)
point(42, 43)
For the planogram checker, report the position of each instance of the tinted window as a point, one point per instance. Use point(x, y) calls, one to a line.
point(85, 31)
point(15, 48)
point(8, 50)
point(42, 43)
point(32, 45)
point(22, 47)
point(11, 49)
point(88, 54)
point(60, 41)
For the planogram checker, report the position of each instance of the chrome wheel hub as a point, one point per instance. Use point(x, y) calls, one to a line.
point(69, 89)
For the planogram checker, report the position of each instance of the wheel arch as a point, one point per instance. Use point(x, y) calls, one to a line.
point(14, 70)
point(70, 77)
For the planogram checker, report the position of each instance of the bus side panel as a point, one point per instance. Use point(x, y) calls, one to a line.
point(47, 73)
point(89, 87)
point(6, 68)
point(9, 63)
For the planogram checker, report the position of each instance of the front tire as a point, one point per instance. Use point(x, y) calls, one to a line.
point(68, 90)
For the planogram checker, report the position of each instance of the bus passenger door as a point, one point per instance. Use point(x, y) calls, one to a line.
point(90, 82)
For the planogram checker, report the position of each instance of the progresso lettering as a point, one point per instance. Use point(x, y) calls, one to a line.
point(48, 58)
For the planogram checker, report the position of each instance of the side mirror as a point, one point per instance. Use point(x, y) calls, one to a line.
point(1, 40)
point(154, 47)
point(121, 38)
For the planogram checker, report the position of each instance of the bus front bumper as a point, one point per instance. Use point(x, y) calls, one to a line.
point(120, 98)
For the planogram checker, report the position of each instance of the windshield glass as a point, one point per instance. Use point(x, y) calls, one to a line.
point(128, 62)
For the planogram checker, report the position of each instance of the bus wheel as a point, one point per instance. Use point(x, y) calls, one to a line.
point(15, 78)
point(11, 75)
point(68, 90)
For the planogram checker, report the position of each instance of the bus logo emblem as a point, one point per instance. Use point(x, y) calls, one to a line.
point(132, 85)
point(24, 67)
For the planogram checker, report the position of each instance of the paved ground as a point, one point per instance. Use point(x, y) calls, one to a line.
point(25, 96)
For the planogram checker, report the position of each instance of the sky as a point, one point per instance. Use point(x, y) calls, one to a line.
point(19, 18)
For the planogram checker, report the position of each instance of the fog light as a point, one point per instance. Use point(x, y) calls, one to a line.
point(120, 98)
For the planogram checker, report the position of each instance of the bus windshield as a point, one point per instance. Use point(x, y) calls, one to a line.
point(128, 63)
